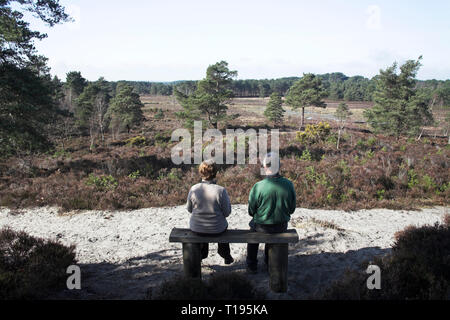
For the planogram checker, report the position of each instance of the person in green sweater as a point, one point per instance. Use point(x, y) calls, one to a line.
point(271, 203)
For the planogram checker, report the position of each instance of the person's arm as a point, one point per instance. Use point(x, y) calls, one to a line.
point(293, 200)
point(225, 203)
point(189, 202)
point(253, 202)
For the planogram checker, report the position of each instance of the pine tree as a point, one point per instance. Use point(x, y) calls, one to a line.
point(125, 109)
point(27, 93)
point(399, 108)
point(210, 99)
point(306, 92)
point(274, 110)
point(91, 108)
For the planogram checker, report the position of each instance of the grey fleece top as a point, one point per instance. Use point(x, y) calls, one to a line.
point(210, 205)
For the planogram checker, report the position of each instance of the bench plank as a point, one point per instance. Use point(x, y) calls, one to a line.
point(233, 236)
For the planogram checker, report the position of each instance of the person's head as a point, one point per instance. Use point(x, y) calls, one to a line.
point(208, 170)
point(271, 164)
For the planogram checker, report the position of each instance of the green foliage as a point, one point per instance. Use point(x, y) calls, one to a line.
point(314, 133)
point(371, 142)
point(125, 108)
point(425, 182)
point(399, 108)
point(381, 194)
point(412, 179)
point(159, 114)
point(92, 105)
point(306, 155)
point(342, 112)
point(173, 175)
point(136, 141)
point(74, 85)
point(210, 99)
point(313, 176)
point(31, 268)
point(306, 92)
point(102, 183)
point(134, 175)
point(27, 92)
point(274, 111)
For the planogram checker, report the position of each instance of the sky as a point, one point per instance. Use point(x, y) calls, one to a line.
point(169, 40)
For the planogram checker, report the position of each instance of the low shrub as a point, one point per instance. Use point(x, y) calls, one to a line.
point(225, 286)
point(159, 114)
point(417, 268)
point(314, 133)
point(31, 268)
point(136, 141)
point(102, 183)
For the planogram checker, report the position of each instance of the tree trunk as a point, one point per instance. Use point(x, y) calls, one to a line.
point(339, 138)
point(420, 136)
point(303, 118)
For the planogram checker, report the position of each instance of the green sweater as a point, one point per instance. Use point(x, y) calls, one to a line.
point(272, 200)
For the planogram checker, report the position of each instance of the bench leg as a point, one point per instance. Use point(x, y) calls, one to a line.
point(192, 260)
point(278, 266)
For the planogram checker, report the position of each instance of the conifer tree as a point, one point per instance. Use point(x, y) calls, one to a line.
point(210, 99)
point(125, 109)
point(399, 108)
point(306, 92)
point(274, 110)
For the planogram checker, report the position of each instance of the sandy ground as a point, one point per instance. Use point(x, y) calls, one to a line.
point(126, 255)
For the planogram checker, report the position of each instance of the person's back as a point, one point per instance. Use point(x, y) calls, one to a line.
point(209, 205)
point(272, 200)
point(271, 203)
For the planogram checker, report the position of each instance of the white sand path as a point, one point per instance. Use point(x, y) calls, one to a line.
point(123, 255)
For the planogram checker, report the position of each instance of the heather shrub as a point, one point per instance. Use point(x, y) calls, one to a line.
point(418, 267)
point(181, 288)
point(31, 267)
point(102, 183)
point(225, 286)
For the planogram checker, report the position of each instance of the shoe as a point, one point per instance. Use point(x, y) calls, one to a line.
point(229, 260)
point(252, 270)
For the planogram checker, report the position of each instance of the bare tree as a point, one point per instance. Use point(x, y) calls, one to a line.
point(342, 114)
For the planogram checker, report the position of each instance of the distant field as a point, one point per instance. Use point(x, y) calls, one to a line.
point(251, 111)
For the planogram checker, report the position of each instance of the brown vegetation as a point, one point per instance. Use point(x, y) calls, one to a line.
point(31, 267)
point(136, 170)
point(417, 268)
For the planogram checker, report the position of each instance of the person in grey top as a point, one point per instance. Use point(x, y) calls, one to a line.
point(210, 205)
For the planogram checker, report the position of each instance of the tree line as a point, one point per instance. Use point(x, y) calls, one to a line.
point(337, 86)
point(32, 102)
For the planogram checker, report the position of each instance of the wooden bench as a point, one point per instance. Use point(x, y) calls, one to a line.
point(277, 247)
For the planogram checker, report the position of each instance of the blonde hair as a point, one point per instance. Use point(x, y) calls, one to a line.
point(208, 170)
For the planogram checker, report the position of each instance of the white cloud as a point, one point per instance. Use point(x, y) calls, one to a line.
point(373, 22)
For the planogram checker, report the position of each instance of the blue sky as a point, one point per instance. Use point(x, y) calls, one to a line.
point(177, 40)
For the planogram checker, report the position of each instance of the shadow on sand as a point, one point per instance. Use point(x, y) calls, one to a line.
point(309, 273)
